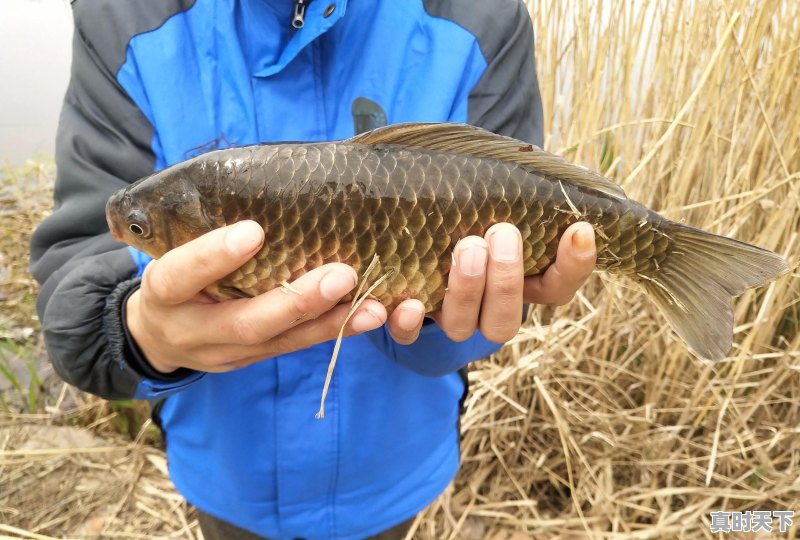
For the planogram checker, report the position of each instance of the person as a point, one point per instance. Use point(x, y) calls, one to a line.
point(235, 385)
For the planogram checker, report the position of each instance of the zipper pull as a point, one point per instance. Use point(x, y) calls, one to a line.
point(299, 14)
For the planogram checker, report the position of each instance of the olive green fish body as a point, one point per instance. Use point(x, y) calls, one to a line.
point(408, 194)
point(342, 202)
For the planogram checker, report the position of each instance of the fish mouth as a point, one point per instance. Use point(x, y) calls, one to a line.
point(115, 234)
point(111, 213)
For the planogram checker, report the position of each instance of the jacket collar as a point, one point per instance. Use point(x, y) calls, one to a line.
point(319, 16)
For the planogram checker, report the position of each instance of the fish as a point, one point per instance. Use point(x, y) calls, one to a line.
point(405, 194)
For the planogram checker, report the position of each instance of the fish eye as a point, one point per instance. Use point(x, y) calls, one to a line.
point(138, 225)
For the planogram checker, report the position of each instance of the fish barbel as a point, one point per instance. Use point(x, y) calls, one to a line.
point(408, 193)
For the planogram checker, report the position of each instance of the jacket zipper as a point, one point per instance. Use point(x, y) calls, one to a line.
point(298, 20)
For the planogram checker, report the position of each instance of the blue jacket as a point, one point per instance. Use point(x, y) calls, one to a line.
point(155, 82)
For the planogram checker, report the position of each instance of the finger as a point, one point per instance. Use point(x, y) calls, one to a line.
point(574, 263)
point(501, 310)
point(465, 288)
point(406, 321)
point(369, 316)
point(186, 270)
point(256, 320)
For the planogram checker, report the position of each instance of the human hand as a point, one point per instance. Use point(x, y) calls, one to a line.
point(486, 288)
point(177, 325)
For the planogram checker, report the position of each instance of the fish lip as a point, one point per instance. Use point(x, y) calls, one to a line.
point(113, 227)
point(115, 233)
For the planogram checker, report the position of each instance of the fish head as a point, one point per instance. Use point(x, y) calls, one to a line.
point(158, 213)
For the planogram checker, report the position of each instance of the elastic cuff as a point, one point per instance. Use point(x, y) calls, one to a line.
point(120, 341)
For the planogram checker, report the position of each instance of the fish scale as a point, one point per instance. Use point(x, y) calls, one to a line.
point(338, 202)
point(408, 193)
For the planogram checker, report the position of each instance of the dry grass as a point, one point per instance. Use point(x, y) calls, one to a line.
point(66, 472)
point(595, 422)
point(599, 423)
point(25, 199)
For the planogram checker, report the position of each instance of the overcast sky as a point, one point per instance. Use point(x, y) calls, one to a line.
point(35, 40)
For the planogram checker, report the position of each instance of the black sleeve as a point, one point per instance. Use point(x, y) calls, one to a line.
point(506, 99)
point(102, 144)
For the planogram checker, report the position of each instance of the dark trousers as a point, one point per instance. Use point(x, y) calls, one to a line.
point(216, 529)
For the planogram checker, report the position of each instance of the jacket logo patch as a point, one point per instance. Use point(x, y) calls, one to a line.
point(217, 144)
point(367, 115)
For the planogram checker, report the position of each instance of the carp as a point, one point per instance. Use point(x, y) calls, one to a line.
point(407, 193)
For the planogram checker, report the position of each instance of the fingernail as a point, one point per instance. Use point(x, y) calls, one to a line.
point(336, 284)
point(505, 244)
point(472, 260)
point(409, 319)
point(365, 320)
point(583, 240)
point(243, 238)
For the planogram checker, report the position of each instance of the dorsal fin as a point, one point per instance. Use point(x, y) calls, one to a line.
point(474, 141)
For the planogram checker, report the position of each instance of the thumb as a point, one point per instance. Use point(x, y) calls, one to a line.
point(188, 269)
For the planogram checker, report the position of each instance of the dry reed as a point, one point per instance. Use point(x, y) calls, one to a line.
point(595, 422)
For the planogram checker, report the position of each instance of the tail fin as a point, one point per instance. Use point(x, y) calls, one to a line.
point(695, 286)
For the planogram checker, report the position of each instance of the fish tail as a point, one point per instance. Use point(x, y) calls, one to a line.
point(695, 286)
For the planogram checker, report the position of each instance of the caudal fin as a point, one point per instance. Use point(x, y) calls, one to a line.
point(695, 286)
